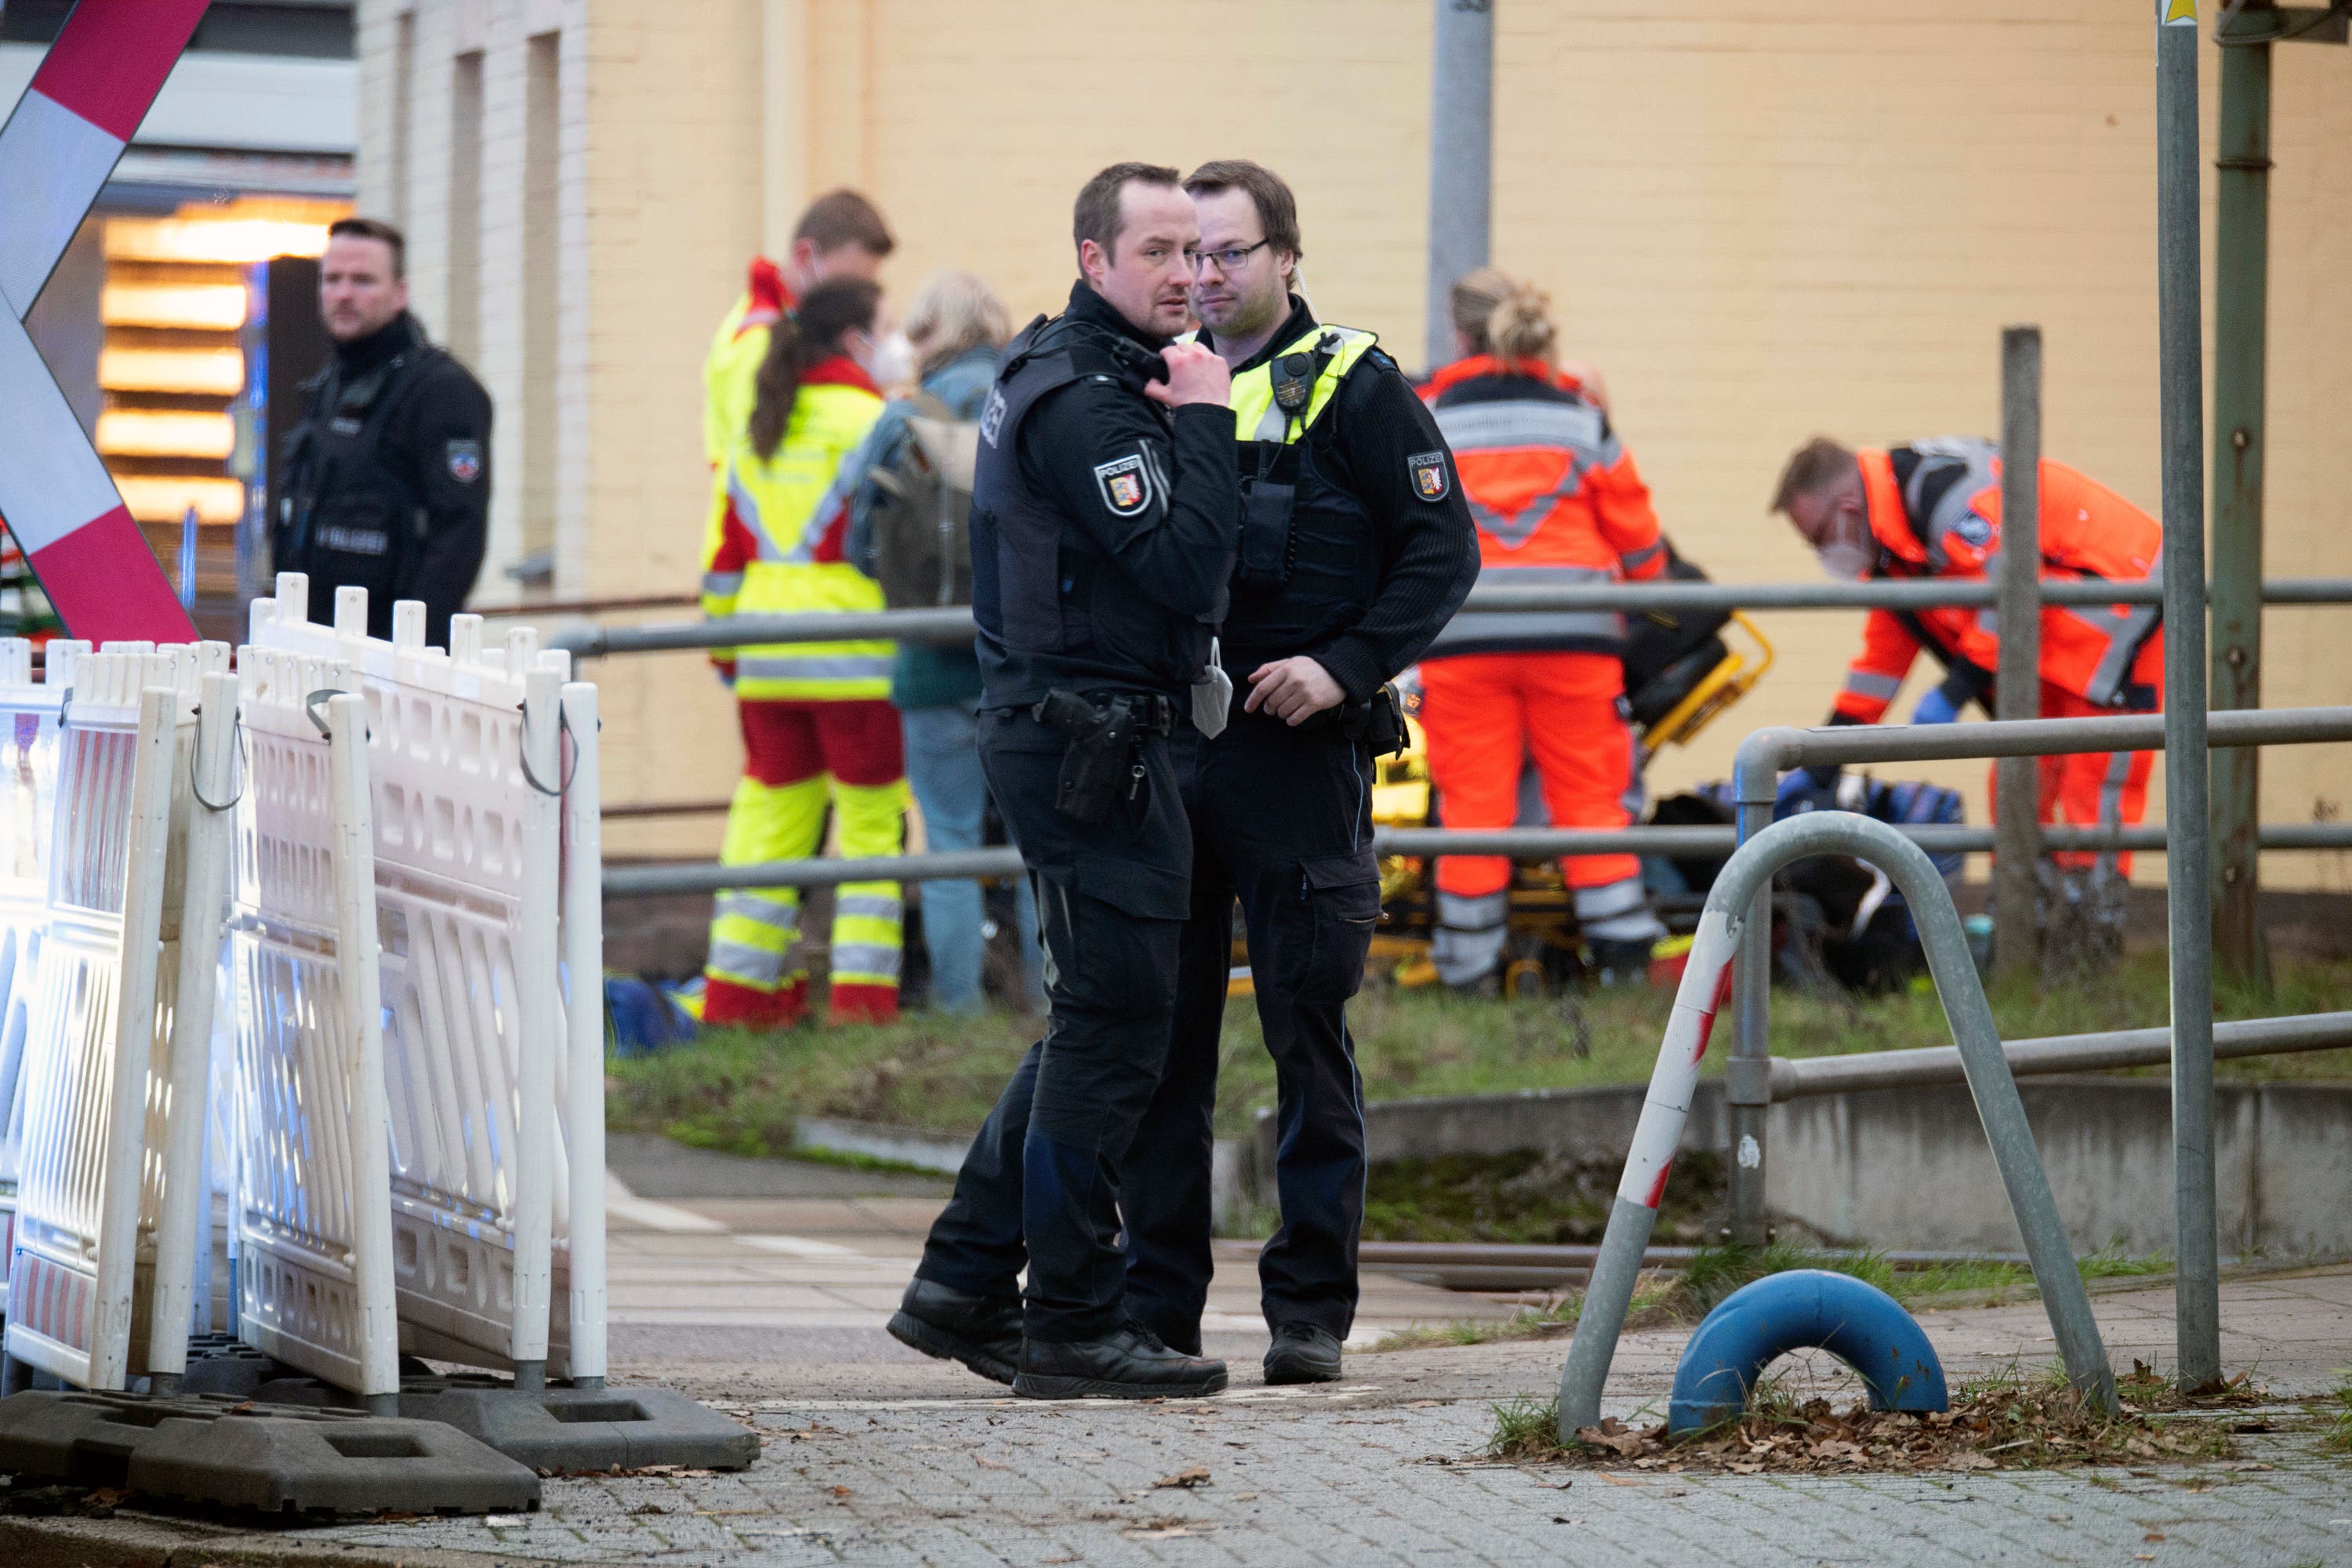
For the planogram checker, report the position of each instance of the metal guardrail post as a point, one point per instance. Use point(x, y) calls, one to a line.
point(2241, 265)
point(2196, 1290)
point(2017, 933)
point(1672, 1085)
point(1746, 1088)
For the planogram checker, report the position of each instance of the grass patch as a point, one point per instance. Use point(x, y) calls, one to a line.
point(740, 1091)
point(2008, 1421)
point(2336, 1437)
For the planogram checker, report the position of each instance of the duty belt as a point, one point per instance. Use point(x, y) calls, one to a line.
point(1147, 711)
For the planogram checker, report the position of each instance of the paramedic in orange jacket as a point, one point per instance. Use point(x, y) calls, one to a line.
point(1557, 499)
point(1933, 509)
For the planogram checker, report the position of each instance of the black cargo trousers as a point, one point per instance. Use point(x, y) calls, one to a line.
point(1040, 1185)
point(1281, 819)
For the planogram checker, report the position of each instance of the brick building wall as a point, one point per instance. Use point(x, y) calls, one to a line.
point(1760, 222)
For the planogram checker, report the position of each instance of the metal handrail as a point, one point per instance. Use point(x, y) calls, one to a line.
point(1801, 1077)
point(1525, 843)
point(955, 624)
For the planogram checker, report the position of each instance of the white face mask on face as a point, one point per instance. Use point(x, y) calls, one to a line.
point(1848, 555)
point(893, 360)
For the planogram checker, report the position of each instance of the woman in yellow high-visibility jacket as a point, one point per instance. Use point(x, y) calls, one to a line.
point(817, 721)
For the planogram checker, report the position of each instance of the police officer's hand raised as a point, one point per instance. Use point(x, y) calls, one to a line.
point(1195, 375)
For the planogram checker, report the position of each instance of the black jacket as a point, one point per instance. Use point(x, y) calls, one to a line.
point(1377, 567)
point(1103, 524)
point(388, 481)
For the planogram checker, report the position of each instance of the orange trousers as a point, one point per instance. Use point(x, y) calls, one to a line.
point(2087, 788)
point(1483, 714)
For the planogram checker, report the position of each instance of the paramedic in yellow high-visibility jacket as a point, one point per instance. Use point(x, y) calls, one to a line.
point(818, 727)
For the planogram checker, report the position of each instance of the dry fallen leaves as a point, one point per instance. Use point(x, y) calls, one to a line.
point(2009, 1426)
point(1191, 1475)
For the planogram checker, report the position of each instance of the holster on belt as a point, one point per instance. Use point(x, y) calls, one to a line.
point(1377, 721)
point(1103, 769)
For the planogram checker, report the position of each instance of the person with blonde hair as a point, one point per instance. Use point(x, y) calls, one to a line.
point(955, 330)
point(1557, 500)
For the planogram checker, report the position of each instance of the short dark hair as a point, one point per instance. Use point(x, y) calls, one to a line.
point(1813, 468)
point(373, 228)
point(844, 217)
point(1277, 209)
point(1097, 216)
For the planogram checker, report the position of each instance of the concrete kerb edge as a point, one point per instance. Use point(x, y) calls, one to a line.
point(160, 1541)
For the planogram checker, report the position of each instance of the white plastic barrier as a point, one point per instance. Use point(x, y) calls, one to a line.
point(310, 1207)
point(29, 786)
point(474, 891)
point(95, 1111)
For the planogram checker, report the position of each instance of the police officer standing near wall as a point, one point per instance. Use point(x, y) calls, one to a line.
point(1104, 521)
point(388, 474)
point(1357, 547)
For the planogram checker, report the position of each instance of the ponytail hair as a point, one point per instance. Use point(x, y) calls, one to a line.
point(1502, 316)
point(801, 340)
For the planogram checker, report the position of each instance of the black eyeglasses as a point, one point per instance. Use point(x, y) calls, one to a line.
point(1229, 260)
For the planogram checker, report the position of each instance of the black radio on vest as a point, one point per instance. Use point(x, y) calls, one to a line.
point(387, 480)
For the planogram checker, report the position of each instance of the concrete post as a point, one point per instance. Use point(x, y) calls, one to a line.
point(2017, 946)
point(2240, 267)
point(2196, 1295)
point(1461, 156)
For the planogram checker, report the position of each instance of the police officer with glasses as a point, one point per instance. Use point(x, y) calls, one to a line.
point(1357, 547)
point(1104, 525)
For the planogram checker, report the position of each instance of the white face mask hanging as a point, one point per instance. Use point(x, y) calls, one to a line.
point(1851, 553)
point(1213, 696)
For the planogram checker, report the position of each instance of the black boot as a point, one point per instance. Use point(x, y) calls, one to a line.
point(1129, 1362)
point(1621, 962)
point(981, 1331)
point(1303, 1353)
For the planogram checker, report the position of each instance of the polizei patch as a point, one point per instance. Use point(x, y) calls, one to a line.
point(465, 461)
point(1429, 476)
point(1125, 485)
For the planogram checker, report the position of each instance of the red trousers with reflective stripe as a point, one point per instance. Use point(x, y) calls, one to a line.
point(1482, 714)
point(2084, 789)
point(858, 742)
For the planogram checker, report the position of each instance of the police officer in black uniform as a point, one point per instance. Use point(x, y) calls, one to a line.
point(1104, 522)
point(388, 475)
point(1357, 547)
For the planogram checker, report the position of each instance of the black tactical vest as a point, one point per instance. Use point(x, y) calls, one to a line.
point(1329, 563)
point(1052, 610)
point(349, 517)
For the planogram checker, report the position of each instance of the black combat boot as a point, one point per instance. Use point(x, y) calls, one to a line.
point(981, 1331)
point(1302, 1352)
point(1129, 1362)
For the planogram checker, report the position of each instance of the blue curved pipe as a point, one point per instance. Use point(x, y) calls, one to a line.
point(1804, 1308)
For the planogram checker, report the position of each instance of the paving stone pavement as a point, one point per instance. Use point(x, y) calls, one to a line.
point(769, 1304)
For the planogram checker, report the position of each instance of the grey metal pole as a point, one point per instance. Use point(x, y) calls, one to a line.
point(2241, 282)
point(1748, 1087)
point(2017, 933)
point(2196, 1290)
point(1461, 156)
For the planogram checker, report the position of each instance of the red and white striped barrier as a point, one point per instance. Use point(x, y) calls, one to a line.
point(58, 148)
point(1706, 985)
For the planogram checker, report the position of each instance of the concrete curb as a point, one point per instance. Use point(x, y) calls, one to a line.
point(145, 1540)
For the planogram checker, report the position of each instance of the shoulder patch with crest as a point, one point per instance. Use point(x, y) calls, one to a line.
point(1430, 478)
point(1125, 483)
point(1973, 529)
point(465, 461)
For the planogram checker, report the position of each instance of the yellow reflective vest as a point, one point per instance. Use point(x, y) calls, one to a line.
point(773, 547)
point(1257, 414)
